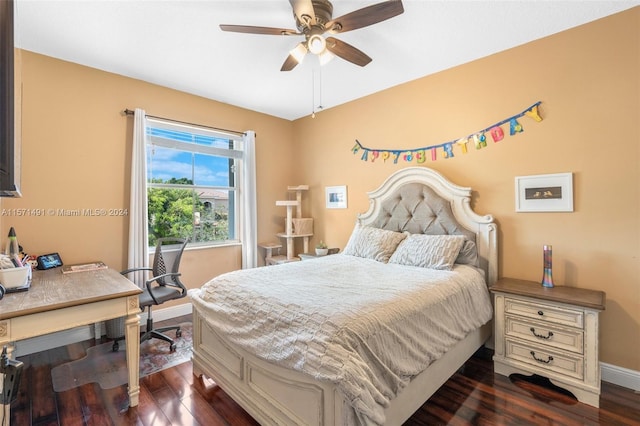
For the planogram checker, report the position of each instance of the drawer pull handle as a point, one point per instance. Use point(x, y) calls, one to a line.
point(549, 358)
point(540, 336)
point(540, 313)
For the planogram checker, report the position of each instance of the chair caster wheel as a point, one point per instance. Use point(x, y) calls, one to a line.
point(173, 347)
point(178, 333)
point(115, 347)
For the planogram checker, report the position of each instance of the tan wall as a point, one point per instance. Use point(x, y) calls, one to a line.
point(588, 81)
point(76, 151)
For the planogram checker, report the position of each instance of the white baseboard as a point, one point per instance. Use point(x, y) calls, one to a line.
point(168, 313)
point(620, 376)
point(87, 332)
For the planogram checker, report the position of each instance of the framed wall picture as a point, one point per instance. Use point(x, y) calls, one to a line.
point(545, 193)
point(336, 197)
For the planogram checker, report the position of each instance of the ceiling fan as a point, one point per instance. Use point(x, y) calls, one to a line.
point(314, 19)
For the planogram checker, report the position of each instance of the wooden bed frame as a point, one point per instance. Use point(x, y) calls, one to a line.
point(277, 396)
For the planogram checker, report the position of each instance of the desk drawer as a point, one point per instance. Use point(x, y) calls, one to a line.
point(544, 312)
point(546, 358)
point(569, 339)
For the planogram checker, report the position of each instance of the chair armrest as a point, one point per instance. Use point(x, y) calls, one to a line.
point(168, 274)
point(126, 271)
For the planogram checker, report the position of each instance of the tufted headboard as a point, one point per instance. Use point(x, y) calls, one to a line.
point(421, 201)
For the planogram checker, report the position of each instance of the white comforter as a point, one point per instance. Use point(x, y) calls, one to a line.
point(366, 326)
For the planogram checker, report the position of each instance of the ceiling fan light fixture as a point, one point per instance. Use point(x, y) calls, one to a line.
point(299, 52)
point(325, 57)
point(316, 44)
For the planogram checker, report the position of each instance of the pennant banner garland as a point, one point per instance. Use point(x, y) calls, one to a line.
point(479, 140)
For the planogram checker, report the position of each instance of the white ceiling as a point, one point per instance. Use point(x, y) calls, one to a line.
point(178, 44)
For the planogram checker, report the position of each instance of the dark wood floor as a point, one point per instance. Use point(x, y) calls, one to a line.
point(473, 396)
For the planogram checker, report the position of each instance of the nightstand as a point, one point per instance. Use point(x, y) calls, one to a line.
point(552, 332)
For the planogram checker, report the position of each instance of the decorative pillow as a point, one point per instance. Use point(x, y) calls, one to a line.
point(428, 251)
point(468, 254)
point(373, 243)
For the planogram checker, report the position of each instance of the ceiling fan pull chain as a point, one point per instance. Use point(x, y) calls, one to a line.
point(313, 94)
point(320, 88)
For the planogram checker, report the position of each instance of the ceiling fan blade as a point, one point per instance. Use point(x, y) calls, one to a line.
point(366, 16)
point(289, 63)
point(347, 52)
point(303, 8)
point(248, 29)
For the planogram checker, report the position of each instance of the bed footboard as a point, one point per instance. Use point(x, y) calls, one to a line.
point(271, 394)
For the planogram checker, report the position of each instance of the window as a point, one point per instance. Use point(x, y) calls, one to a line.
point(192, 183)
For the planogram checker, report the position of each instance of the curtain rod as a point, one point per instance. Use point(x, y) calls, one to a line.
point(131, 112)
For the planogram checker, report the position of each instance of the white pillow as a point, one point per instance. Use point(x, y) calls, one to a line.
point(428, 251)
point(373, 243)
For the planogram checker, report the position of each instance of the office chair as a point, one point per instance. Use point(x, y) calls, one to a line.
point(163, 286)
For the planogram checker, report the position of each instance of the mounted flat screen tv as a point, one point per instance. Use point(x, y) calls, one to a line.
point(9, 131)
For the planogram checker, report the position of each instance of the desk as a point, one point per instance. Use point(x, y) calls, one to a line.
point(57, 301)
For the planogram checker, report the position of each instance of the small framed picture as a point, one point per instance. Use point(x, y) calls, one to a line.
point(336, 197)
point(545, 193)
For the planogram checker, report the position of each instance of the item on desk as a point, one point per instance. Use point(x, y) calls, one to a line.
point(16, 261)
point(48, 261)
point(12, 247)
point(6, 262)
point(83, 267)
point(13, 278)
point(31, 260)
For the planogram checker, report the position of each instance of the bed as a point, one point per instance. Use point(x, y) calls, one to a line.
point(361, 337)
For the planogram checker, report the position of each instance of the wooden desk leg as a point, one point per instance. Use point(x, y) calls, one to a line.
point(132, 338)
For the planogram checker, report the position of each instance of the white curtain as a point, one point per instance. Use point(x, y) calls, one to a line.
point(138, 230)
point(249, 227)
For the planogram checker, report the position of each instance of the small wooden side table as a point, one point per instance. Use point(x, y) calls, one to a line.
point(268, 251)
point(310, 255)
point(552, 332)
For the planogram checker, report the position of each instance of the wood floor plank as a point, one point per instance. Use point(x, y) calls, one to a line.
point(153, 382)
point(173, 407)
point(177, 382)
point(202, 411)
point(70, 405)
point(43, 406)
point(95, 412)
point(148, 411)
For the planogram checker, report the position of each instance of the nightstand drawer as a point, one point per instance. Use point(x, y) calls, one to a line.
point(545, 334)
point(544, 312)
point(550, 360)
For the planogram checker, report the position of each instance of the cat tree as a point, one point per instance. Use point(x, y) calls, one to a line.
point(295, 227)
